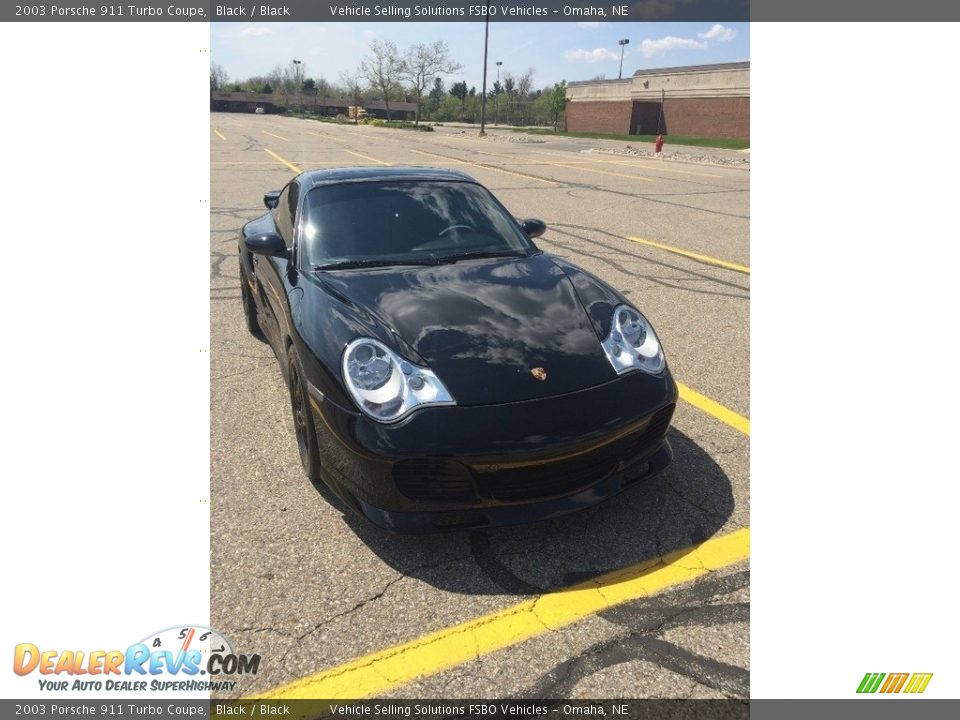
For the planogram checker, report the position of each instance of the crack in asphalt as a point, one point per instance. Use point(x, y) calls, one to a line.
point(620, 252)
point(362, 603)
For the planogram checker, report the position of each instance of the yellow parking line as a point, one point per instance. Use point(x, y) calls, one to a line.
point(289, 164)
point(279, 137)
point(366, 157)
point(721, 413)
point(691, 254)
point(658, 168)
point(380, 672)
point(487, 167)
point(627, 163)
point(601, 172)
point(219, 134)
point(326, 137)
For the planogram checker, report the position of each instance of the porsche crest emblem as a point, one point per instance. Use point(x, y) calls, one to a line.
point(539, 373)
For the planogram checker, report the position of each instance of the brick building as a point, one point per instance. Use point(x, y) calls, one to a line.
point(693, 101)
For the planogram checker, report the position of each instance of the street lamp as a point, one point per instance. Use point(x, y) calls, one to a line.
point(298, 79)
point(498, 91)
point(483, 95)
point(624, 42)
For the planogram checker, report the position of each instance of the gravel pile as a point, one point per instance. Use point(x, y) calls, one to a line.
point(687, 157)
point(526, 139)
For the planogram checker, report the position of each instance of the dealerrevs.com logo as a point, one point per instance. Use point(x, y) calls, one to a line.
point(910, 683)
point(182, 658)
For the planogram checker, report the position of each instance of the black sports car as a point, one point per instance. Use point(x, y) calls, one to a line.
point(445, 373)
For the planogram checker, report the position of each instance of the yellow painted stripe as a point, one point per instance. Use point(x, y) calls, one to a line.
point(737, 422)
point(925, 680)
point(487, 167)
point(326, 137)
point(278, 137)
point(289, 164)
point(366, 157)
point(659, 163)
point(693, 255)
point(659, 168)
point(601, 172)
point(380, 672)
point(219, 134)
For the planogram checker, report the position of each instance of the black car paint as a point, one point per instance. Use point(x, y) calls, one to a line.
point(482, 325)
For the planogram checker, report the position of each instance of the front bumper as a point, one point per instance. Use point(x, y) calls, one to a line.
point(451, 468)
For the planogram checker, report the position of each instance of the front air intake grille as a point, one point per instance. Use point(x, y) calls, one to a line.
point(434, 479)
point(563, 477)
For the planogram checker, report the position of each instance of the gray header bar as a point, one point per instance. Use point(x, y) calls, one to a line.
point(475, 11)
point(379, 11)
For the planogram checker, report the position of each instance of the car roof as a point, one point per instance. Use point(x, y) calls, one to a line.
point(331, 176)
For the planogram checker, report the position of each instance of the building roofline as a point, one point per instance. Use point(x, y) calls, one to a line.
point(744, 65)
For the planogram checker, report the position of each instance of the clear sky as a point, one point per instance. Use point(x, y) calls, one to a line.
point(556, 51)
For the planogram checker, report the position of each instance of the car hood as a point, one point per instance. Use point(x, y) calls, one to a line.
point(484, 326)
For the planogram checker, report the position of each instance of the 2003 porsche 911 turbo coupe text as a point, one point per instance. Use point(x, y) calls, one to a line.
point(445, 373)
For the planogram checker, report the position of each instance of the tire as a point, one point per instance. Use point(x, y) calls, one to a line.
point(250, 309)
point(303, 425)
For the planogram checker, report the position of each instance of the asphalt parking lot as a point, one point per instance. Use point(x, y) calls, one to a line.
point(335, 605)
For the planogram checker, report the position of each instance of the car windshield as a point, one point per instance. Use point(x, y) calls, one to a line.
point(365, 224)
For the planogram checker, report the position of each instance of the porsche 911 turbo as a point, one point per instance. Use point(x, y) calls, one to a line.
point(444, 372)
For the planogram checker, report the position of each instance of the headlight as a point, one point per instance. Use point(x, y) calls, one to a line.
point(387, 387)
point(632, 343)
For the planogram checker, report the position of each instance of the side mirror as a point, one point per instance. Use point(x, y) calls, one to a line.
point(271, 199)
point(534, 228)
point(268, 243)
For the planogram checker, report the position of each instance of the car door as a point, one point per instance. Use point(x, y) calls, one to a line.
point(271, 271)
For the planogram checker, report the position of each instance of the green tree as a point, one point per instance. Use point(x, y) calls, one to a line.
point(459, 91)
point(558, 103)
point(436, 94)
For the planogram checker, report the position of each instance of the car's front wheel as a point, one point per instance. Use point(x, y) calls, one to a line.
point(302, 416)
point(250, 309)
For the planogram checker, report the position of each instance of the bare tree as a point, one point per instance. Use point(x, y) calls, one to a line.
point(525, 84)
point(352, 83)
point(422, 63)
point(276, 79)
point(524, 89)
point(218, 77)
point(383, 70)
point(324, 89)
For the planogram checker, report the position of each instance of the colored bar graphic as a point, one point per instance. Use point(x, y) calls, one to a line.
point(864, 683)
point(870, 682)
point(895, 682)
point(918, 682)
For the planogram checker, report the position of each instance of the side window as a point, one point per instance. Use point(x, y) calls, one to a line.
point(286, 213)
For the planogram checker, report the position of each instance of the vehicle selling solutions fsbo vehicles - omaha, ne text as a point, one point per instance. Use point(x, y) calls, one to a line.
point(445, 373)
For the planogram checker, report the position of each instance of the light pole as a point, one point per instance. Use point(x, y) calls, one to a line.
point(298, 79)
point(483, 95)
point(623, 43)
point(498, 91)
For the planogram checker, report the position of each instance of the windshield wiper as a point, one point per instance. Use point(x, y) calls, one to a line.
point(476, 254)
point(350, 264)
